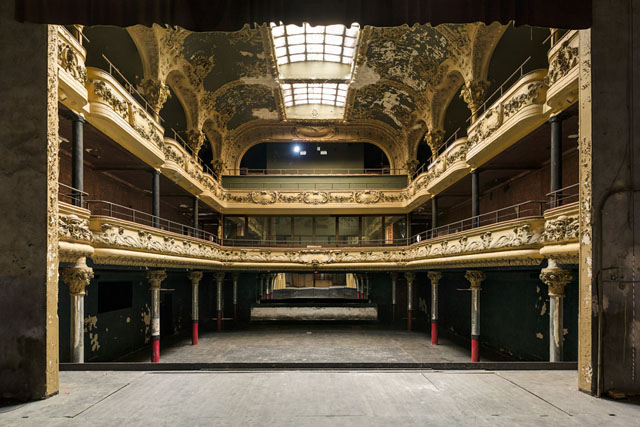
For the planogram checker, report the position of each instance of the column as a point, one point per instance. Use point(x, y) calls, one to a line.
point(235, 296)
point(195, 277)
point(434, 214)
point(219, 281)
point(434, 277)
point(475, 198)
point(77, 278)
point(195, 213)
point(394, 283)
point(357, 277)
point(366, 284)
point(475, 278)
point(77, 158)
point(556, 279)
point(409, 277)
point(155, 197)
point(155, 278)
point(556, 155)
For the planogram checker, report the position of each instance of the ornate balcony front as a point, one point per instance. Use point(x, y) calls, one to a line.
point(563, 72)
point(514, 115)
point(561, 231)
point(72, 74)
point(75, 238)
point(117, 114)
point(449, 167)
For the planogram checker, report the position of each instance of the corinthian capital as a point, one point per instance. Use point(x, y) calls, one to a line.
point(77, 277)
point(473, 94)
point(474, 277)
point(434, 139)
point(195, 139)
point(556, 279)
point(155, 277)
point(195, 277)
point(155, 92)
point(434, 276)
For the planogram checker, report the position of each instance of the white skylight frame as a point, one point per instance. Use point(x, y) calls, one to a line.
point(303, 93)
point(325, 43)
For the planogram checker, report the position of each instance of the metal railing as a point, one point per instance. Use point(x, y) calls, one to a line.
point(180, 140)
point(113, 210)
point(116, 74)
point(321, 185)
point(71, 195)
point(518, 73)
point(431, 160)
point(563, 196)
point(314, 171)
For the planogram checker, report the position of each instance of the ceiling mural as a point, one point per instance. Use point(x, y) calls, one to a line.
point(403, 78)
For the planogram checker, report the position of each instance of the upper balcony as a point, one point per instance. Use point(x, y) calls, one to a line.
point(563, 71)
point(72, 74)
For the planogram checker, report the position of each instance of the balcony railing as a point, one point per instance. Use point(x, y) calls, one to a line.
point(315, 171)
point(563, 196)
point(73, 196)
point(188, 149)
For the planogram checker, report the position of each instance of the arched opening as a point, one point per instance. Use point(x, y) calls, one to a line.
point(116, 44)
point(349, 157)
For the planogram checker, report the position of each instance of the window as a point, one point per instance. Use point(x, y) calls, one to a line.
point(314, 93)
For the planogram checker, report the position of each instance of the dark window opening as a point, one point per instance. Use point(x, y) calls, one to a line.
point(114, 296)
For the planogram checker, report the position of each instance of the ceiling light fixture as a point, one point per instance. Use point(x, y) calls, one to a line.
point(296, 148)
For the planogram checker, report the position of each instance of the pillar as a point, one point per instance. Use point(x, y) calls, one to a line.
point(366, 284)
point(155, 197)
point(195, 277)
point(434, 214)
point(394, 283)
point(155, 278)
point(556, 279)
point(357, 276)
point(219, 281)
point(29, 203)
point(475, 198)
point(77, 158)
point(475, 278)
point(410, 277)
point(434, 277)
point(77, 278)
point(235, 296)
point(195, 213)
point(556, 155)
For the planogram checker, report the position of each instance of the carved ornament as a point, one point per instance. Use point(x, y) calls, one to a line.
point(74, 228)
point(155, 277)
point(475, 278)
point(68, 60)
point(556, 278)
point(565, 59)
point(562, 228)
point(155, 92)
point(77, 278)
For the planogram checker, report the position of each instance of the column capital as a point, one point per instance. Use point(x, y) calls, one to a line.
point(473, 94)
point(434, 276)
point(195, 277)
point(394, 276)
point(73, 116)
point(410, 277)
point(556, 279)
point(195, 139)
point(77, 278)
point(235, 276)
point(434, 139)
point(156, 92)
point(475, 277)
point(155, 277)
point(220, 276)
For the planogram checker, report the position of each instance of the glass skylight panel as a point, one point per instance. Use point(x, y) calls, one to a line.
point(291, 41)
point(313, 93)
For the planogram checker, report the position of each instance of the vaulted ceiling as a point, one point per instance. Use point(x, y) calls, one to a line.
point(402, 82)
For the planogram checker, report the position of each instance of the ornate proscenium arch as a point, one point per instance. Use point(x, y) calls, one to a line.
point(255, 132)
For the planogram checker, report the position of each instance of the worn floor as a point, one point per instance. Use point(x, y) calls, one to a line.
point(321, 398)
point(314, 342)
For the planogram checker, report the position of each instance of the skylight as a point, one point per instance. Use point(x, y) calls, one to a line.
point(328, 43)
point(314, 93)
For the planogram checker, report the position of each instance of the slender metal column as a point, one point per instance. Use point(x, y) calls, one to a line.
point(77, 278)
point(366, 289)
point(219, 280)
point(410, 277)
point(434, 213)
point(475, 278)
point(435, 277)
point(155, 278)
point(394, 283)
point(195, 213)
point(357, 276)
point(556, 155)
point(556, 279)
point(155, 197)
point(475, 198)
point(77, 158)
point(195, 277)
point(235, 296)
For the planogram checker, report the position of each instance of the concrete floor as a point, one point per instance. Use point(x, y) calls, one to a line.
point(313, 342)
point(321, 398)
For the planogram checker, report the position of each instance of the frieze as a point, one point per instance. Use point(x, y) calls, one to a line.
point(72, 227)
point(145, 127)
point(68, 60)
point(120, 106)
point(565, 59)
point(562, 228)
point(516, 103)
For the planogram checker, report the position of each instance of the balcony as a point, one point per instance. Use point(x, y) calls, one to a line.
point(563, 72)
point(314, 179)
point(517, 112)
point(117, 113)
point(72, 74)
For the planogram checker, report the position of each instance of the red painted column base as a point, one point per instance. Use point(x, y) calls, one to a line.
point(358, 293)
point(475, 350)
point(409, 318)
point(155, 349)
point(194, 333)
point(434, 333)
point(219, 320)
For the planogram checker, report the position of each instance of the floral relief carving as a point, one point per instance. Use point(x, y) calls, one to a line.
point(145, 126)
point(120, 106)
point(561, 229)
point(68, 60)
point(529, 97)
point(562, 63)
point(74, 228)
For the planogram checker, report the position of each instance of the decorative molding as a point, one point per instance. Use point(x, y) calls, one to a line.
point(77, 277)
point(565, 59)
point(556, 278)
point(561, 229)
point(473, 94)
point(71, 61)
point(117, 104)
point(71, 227)
point(156, 92)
